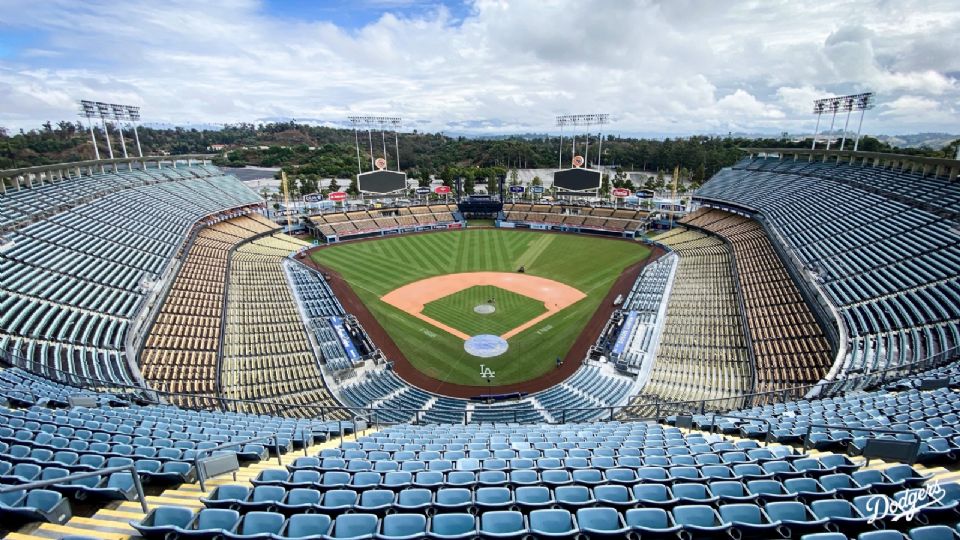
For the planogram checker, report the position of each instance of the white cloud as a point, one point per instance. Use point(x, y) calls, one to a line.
point(683, 66)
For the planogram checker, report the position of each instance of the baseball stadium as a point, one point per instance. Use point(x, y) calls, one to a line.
point(189, 352)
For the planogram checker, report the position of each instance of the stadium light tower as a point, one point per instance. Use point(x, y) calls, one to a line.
point(88, 110)
point(382, 122)
point(847, 104)
point(862, 102)
point(133, 113)
point(119, 115)
point(818, 107)
point(582, 120)
point(103, 109)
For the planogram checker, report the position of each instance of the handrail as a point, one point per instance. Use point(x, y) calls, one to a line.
point(806, 437)
point(79, 476)
point(196, 459)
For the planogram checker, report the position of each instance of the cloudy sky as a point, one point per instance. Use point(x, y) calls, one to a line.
point(486, 66)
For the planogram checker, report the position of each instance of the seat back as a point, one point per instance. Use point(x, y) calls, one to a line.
point(551, 521)
point(304, 525)
point(401, 525)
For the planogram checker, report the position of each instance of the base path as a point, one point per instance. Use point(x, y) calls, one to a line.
point(409, 373)
point(412, 297)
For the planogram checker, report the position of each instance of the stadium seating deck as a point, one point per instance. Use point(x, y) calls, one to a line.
point(601, 219)
point(885, 262)
point(73, 281)
point(789, 347)
point(266, 352)
point(319, 305)
point(389, 219)
point(703, 352)
point(646, 302)
point(180, 354)
point(589, 389)
point(160, 441)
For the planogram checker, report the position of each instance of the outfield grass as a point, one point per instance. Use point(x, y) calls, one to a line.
point(587, 263)
point(456, 310)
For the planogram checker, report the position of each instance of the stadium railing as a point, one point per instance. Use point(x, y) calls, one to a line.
point(637, 408)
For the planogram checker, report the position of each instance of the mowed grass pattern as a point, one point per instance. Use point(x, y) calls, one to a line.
point(456, 310)
point(374, 268)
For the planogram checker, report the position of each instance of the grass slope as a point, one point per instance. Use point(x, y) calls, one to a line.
point(375, 268)
point(456, 310)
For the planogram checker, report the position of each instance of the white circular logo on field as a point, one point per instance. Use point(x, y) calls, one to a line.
point(485, 346)
point(484, 309)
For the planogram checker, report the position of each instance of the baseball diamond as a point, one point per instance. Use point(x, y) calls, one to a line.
point(566, 276)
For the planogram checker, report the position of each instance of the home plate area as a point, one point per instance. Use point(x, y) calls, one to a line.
point(486, 346)
point(484, 309)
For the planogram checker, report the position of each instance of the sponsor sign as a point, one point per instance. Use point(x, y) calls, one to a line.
point(313, 197)
point(536, 189)
point(441, 190)
point(337, 324)
point(621, 192)
point(423, 190)
point(338, 196)
point(516, 189)
point(626, 330)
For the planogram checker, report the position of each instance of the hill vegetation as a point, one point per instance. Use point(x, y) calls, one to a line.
point(309, 153)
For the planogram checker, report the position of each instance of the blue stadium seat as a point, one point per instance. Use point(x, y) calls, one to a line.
point(306, 526)
point(258, 526)
point(354, 526)
point(601, 523)
point(162, 521)
point(652, 523)
point(502, 524)
point(210, 523)
point(452, 526)
point(553, 524)
point(402, 527)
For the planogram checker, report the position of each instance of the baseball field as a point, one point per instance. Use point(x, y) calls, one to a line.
point(425, 290)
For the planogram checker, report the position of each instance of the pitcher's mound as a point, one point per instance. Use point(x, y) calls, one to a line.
point(485, 346)
point(484, 309)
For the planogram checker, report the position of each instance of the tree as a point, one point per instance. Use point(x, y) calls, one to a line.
point(650, 184)
point(605, 185)
point(308, 185)
point(353, 189)
point(334, 186)
point(660, 182)
point(468, 184)
point(492, 184)
point(699, 174)
point(514, 177)
point(424, 179)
